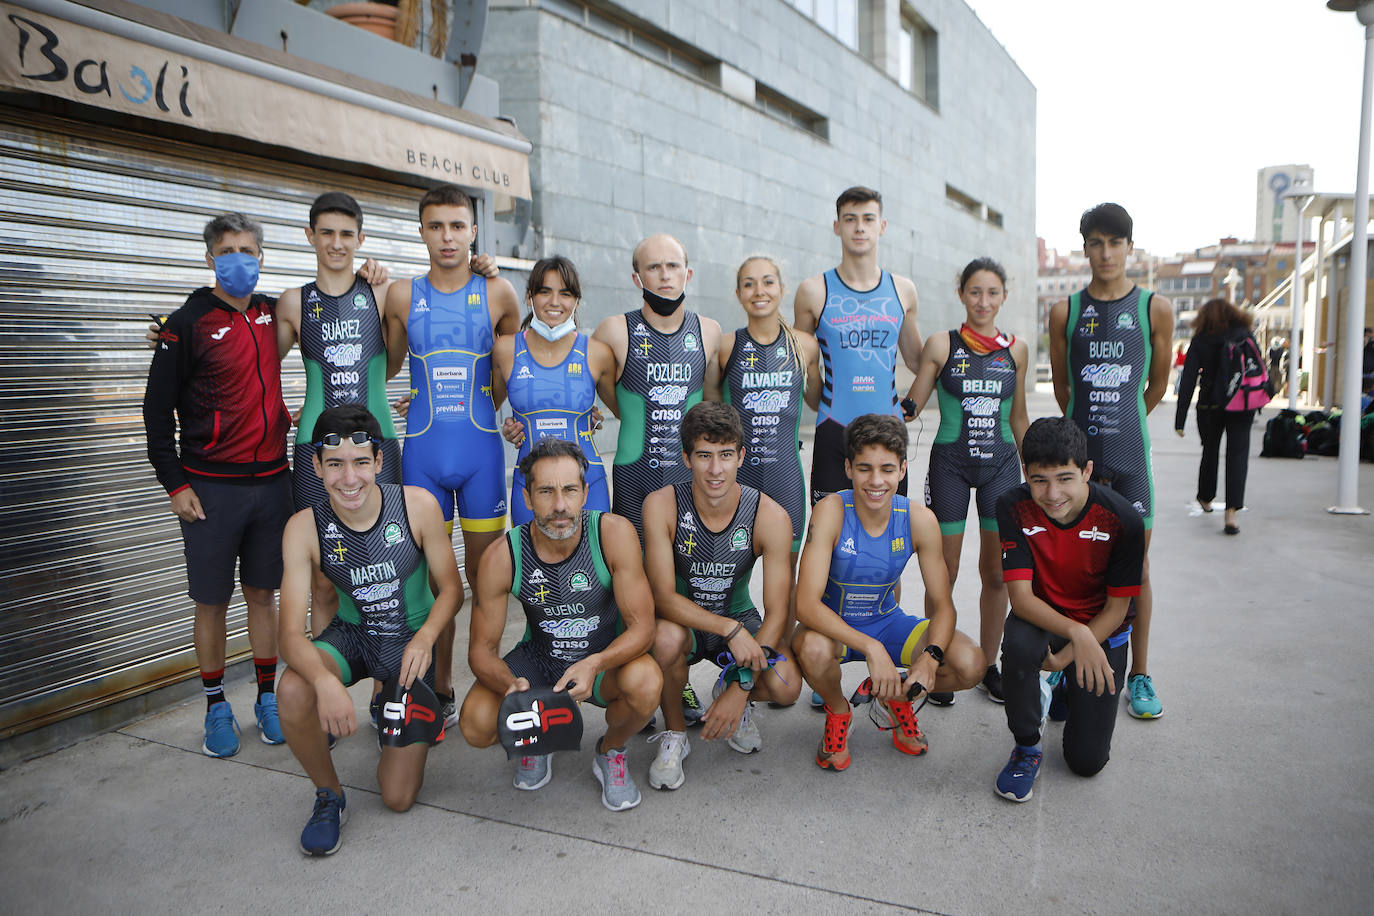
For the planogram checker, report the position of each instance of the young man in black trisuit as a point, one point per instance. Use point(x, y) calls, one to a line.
point(1072, 552)
point(1110, 358)
point(381, 546)
point(702, 539)
point(590, 618)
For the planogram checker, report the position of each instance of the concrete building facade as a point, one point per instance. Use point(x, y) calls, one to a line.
point(733, 124)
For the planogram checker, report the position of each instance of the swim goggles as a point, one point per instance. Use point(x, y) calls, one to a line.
point(334, 440)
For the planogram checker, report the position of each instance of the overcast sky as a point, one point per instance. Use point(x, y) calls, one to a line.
point(1221, 89)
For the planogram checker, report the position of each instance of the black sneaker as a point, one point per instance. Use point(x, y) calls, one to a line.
point(942, 698)
point(691, 707)
point(992, 685)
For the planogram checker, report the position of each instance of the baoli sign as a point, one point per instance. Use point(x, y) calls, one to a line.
point(42, 54)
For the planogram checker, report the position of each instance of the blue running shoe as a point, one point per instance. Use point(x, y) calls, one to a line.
point(1144, 703)
point(816, 701)
point(221, 732)
point(321, 834)
point(269, 725)
point(1017, 778)
point(1059, 702)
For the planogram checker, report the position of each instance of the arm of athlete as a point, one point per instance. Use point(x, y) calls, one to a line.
point(1020, 352)
point(395, 315)
point(614, 333)
point(807, 304)
point(427, 527)
point(812, 574)
point(502, 362)
point(929, 548)
point(1161, 350)
point(494, 575)
point(811, 360)
point(1059, 353)
point(1101, 626)
point(504, 306)
point(620, 547)
point(909, 338)
point(727, 346)
point(933, 356)
point(288, 316)
point(773, 535)
point(601, 360)
point(300, 552)
point(710, 342)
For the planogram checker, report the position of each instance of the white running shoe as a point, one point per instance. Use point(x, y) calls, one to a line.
point(666, 770)
point(745, 738)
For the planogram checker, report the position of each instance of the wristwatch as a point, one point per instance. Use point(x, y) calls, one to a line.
point(936, 653)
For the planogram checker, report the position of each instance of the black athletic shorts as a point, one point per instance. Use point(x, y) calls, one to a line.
point(360, 654)
point(243, 522)
point(827, 463)
point(542, 671)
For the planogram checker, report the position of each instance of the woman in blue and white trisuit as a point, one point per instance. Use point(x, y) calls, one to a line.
point(979, 376)
point(552, 375)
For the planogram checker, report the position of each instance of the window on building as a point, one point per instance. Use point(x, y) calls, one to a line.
point(1281, 265)
point(838, 17)
point(917, 57)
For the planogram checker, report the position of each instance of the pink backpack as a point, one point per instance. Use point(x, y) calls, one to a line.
point(1242, 377)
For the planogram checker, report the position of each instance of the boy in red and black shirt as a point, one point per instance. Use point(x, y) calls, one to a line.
point(1072, 552)
point(216, 375)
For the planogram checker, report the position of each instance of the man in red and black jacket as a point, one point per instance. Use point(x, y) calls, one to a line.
point(216, 374)
point(1072, 552)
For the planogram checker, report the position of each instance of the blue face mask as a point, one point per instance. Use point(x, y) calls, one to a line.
point(237, 273)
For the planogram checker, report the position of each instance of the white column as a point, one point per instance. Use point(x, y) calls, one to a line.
point(1315, 320)
point(1333, 296)
point(1347, 486)
point(1295, 322)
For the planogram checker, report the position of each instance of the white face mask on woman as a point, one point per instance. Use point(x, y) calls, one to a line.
point(556, 332)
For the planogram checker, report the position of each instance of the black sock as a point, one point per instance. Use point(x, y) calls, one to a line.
point(213, 684)
point(267, 674)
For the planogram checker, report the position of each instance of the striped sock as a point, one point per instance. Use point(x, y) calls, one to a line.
point(213, 683)
point(266, 669)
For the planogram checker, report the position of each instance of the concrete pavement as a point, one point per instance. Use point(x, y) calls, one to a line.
point(1251, 794)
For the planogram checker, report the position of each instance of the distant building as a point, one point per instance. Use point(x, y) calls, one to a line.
point(1276, 220)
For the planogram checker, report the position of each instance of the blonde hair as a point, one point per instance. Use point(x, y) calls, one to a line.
point(790, 336)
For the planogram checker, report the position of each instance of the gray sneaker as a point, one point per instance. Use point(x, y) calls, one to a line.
point(618, 789)
point(448, 705)
point(533, 773)
point(745, 738)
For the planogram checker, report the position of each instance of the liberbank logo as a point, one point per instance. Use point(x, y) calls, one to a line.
point(41, 58)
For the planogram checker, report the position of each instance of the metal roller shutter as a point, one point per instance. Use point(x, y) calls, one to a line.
point(98, 228)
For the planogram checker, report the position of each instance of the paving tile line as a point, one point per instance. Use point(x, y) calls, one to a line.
point(682, 860)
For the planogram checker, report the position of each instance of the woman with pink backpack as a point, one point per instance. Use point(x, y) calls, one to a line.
point(1234, 385)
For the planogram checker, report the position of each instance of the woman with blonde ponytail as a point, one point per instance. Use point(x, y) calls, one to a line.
point(767, 368)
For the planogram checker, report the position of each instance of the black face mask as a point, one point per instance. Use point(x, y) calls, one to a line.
point(661, 306)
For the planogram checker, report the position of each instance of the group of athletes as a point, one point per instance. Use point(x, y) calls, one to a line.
point(626, 586)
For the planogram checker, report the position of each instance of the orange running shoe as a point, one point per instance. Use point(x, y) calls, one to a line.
point(898, 717)
point(833, 754)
